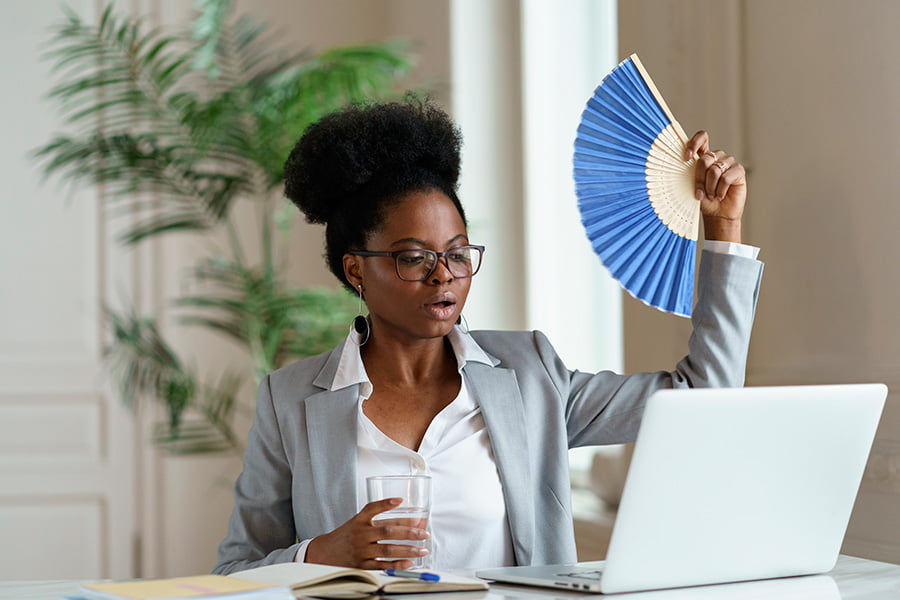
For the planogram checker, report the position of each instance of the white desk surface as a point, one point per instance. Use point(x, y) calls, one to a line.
point(852, 579)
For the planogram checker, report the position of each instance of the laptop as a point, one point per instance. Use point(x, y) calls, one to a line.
point(729, 485)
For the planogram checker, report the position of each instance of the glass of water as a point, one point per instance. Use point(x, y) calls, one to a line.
point(415, 510)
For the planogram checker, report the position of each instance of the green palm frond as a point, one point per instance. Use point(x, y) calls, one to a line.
point(195, 436)
point(141, 362)
point(207, 29)
point(146, 121)
point(321, 319)
point(124, 93)
point(210, 431)
point(288, 100)
point(143, 365)
point(119, 67)
point(275, 322)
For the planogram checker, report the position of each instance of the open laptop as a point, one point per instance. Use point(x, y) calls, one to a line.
point(731, 485)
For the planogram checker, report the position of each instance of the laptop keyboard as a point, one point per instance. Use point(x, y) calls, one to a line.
point(591, 575)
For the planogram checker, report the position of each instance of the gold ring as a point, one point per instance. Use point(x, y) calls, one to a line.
point(721, 165)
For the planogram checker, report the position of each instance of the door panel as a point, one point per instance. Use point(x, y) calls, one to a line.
point(67, 499)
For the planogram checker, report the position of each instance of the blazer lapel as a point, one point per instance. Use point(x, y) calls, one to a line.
point(331, 420)
point(498, 395)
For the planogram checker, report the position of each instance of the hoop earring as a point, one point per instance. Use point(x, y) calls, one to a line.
point(360, 323)
point(463, 324)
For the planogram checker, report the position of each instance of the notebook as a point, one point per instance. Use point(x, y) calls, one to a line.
point(326, 581)
point(731, 485)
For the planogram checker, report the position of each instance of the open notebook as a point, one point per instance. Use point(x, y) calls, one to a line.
point(325, 581)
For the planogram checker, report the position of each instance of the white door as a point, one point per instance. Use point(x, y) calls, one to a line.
point(67, 450)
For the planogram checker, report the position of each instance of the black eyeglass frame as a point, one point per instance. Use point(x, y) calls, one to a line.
point(438, 256)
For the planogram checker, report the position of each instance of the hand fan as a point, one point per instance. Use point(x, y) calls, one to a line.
point(635, 191)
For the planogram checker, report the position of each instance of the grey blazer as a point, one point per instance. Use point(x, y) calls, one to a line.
point(299, 476)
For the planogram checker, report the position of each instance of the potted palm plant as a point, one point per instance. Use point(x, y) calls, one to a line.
point(178, 126)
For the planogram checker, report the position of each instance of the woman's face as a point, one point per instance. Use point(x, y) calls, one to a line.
point(413, 309)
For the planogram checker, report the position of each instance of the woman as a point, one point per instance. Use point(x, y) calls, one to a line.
point(489, 415)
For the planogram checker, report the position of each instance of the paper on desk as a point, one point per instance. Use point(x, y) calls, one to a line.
point(205, 587)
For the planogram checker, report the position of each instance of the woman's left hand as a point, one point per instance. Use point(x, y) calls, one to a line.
point(720, 184)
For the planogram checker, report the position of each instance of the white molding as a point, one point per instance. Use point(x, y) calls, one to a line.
point(46, 527)
point(72, 428)
point(58, 375)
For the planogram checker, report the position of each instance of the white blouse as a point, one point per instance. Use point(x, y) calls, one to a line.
point(468, 524)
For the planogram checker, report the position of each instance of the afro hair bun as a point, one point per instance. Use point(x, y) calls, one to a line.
point(364, 150)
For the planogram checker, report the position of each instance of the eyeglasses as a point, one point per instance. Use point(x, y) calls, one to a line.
point(419, 264)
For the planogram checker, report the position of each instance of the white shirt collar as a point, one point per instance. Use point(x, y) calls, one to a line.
point(351, 370)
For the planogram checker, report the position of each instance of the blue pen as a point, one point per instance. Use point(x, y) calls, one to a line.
point(420, 575)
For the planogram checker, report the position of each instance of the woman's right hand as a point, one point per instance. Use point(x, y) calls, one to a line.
point(355, 543)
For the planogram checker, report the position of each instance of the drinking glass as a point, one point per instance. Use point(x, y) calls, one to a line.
point(415, 490)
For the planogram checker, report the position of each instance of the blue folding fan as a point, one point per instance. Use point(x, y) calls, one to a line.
point(635, 190)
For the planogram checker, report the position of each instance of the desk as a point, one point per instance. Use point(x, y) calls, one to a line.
point(852, 579)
